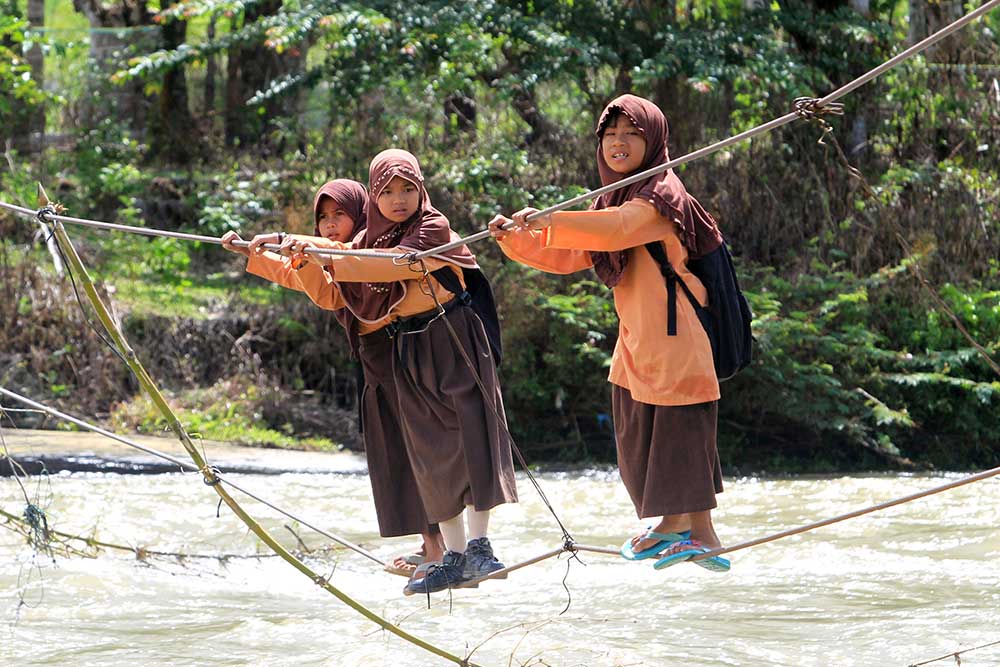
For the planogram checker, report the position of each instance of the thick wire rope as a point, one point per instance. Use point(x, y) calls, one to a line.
point(189, 467)
point(986, 474)
point(20, 526)
point(955, 654)
point(47, 214)
point(978, 477)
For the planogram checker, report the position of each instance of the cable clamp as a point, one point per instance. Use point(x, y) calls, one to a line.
point(212, 475)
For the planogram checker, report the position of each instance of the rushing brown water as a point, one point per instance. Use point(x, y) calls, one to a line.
point(893, 588)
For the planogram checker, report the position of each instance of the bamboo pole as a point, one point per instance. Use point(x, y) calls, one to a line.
point(209, 473)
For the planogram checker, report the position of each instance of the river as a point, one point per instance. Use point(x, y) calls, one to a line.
point(893, 588)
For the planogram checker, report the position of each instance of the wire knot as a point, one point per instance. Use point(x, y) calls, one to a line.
point(212, 475)
point(809, 108)
point(44, 212)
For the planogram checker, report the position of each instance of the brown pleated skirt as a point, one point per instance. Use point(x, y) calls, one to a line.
point(454, 434)
point(394, 488)
point(667, 455)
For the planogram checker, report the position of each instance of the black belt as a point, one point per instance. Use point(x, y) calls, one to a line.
point(419, 321)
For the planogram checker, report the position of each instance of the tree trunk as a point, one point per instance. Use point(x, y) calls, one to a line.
point(927, 17)
point(858, 138)
point(126, 102)
point(173, 129)
point(250, 69)
point(459, 115)
point(36, 17)
point(208, 107)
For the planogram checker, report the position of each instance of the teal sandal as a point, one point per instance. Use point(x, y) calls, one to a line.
point(665, 541)
point(712, 563)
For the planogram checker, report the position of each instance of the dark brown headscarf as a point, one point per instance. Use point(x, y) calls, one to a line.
point(698, 231)
point(349, 195)
point(425, 229)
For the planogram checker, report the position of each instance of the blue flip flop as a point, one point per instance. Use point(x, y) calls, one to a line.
point(679, 557)
point(665, 541)
point(713, 563)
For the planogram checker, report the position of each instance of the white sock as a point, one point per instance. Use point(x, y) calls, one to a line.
point(453, 533)
point(479, 522)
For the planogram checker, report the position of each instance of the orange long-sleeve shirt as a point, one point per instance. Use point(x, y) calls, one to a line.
point(321, 285)
point(655, 368)
point(309, 278)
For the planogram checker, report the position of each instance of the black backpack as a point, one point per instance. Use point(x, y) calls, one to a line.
point(727, 317)
point(478, 295)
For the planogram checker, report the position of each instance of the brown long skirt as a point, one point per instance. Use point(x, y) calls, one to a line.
point(394, 488)
point(667, 455)
point(459, 450)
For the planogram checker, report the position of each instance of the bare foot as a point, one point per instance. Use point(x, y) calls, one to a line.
point(694, 545)
point(401, 561)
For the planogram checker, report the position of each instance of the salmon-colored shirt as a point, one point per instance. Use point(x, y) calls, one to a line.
point(321, 285)
point(278, 269)
point(656, 369)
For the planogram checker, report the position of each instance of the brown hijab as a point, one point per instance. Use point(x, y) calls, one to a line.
point(698, 231)
point(348, 194)
point(353, 198)
point(425, 229)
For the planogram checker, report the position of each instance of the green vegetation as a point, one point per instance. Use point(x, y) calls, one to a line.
point(226, 412)
point(210, 115)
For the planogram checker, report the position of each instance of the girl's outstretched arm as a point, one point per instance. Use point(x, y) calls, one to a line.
point(635, 223)
point(530, 247)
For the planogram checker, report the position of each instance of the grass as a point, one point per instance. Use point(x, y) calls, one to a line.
point(192, 300)
point(229, 411)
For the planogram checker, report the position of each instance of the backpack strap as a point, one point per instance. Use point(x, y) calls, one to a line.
point(450, 281)
point(659, 256)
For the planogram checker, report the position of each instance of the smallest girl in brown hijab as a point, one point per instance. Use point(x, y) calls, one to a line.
point(455, 433)
point(664, 387)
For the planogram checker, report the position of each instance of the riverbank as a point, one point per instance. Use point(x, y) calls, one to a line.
point(39, 451)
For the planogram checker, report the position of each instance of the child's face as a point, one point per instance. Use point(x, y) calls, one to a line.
point(398, 200)
point(623, 145)
point(333, 221)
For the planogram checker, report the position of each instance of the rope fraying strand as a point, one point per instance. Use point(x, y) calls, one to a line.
point(39, 536)
point(812, 108)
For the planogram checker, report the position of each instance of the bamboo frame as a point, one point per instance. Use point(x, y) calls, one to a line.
point(211, 478)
